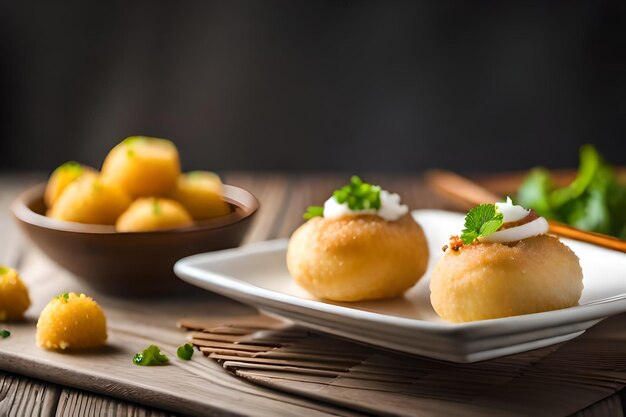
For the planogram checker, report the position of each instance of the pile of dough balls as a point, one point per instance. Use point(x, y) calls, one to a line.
point(71, 321)
point(140, 188)
point(14, 299)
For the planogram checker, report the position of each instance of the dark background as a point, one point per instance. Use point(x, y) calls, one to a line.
point(288, 85)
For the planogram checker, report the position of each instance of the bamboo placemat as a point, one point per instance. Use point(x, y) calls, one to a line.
point(554, 381)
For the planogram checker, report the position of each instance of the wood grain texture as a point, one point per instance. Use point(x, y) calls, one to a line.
point(22, 397)
point(74, 403)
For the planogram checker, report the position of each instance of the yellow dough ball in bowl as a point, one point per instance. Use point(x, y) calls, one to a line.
point(353, 258)
point(143, 166)
point(14, 299)
point(90, 200)
point(71, 321)
point(62, 177)
point(147, 214)
point(200, 192)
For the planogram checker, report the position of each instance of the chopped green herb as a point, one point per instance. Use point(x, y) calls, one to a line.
point(65, 296)
point(151, 356)
point(358, 195)
point(4, 333)
point(3, 270)
point(483, 220)
point(314, 211)
point(594, 201)
point(156, 207)
point(133, 139)
point(192, 175)
point(72, 166)
point(185, 351)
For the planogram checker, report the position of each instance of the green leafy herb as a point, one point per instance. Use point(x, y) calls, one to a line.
point(358, 195)
point(151, 356)
point(3, 270)
point(594, 201)
point(4, 333)
point(314, 211)
point(481, 221)
point(185, 351)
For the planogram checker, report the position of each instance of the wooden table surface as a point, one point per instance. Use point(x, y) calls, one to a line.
point(283, 199)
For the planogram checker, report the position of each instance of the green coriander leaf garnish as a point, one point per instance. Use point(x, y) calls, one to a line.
point(314, 211)
point(185, 351)
point(481, 221)
point(3, 270)
point(4, 333)
point(156, 207)
point(151, 356)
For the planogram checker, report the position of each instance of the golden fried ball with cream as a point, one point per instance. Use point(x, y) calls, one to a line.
point(357, 257)
point(71, 321)
point(90, 200)
point(143, 166)
point(146, 214)
point(491, 280)
point(14, 299)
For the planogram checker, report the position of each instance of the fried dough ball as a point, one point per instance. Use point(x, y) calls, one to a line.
point(200, 192)
point(90, 200)
point(490, 280)
point(14, 299)
point(353, 258)
point(62, 177)
point(147, 214)
point(143, 166)
point(71, 321)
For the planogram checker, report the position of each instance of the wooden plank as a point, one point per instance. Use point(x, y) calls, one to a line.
point(75, 403)
point(272, 191)
point(23, 397)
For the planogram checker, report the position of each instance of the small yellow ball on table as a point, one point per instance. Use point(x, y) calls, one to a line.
point(71, 321)
point(14, 299)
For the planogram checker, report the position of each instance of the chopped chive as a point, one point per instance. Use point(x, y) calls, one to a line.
point(151, 356)
point(185, 352)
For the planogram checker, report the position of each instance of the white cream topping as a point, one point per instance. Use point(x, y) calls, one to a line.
point(390, 208)
point(537, 227)
point(514, 213)
point(511, 212)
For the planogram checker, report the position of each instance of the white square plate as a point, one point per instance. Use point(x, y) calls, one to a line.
point(257, 274)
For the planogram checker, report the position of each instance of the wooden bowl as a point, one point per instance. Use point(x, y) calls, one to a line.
point(130, 263)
